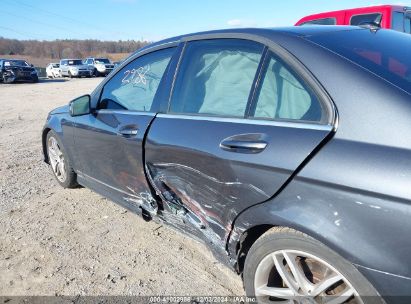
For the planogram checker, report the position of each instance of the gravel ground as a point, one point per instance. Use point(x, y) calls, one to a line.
point(74, 242)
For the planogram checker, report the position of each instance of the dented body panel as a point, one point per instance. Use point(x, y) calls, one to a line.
point(215, 185)
point(117, 162)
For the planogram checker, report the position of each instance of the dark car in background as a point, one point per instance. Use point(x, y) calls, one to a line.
point(287, 151)
point(17, 70)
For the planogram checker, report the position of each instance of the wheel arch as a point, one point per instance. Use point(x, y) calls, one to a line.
point(46, 130)
point(250, 225)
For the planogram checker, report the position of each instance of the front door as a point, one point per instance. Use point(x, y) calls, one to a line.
point(224, 146)
point(109, 142)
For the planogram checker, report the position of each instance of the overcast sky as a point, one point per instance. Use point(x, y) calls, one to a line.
point(152, 19)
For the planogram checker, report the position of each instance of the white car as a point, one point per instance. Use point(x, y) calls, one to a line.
point(53, 70)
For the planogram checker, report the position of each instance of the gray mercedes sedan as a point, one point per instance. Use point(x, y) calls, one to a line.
point(287, 151)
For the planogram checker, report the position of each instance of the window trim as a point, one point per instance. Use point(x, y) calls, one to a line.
point(297, 124)
point(297, 66)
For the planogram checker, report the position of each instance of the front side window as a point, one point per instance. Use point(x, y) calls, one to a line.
point(284, 96)
point(398, 21)
point(135, 85)
point(323, 21)
point(215, 77)
point(364, 19)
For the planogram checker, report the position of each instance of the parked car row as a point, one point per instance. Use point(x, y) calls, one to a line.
point(80, 68)
point(19, 70)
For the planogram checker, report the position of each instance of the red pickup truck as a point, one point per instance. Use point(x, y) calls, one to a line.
point(385, 16)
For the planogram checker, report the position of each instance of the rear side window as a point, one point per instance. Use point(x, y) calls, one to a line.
point(284, 96)
point(322, 21)
point(385, 52)
point(135, 85)
point(215, 77)
point(364, 19)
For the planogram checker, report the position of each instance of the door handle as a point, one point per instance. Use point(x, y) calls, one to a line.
point(128, 131)
point(243, 146)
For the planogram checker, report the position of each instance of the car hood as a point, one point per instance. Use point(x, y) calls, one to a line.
point(60, 110)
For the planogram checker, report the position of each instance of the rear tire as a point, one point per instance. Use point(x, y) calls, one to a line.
point(286, 263)
point(59, 162)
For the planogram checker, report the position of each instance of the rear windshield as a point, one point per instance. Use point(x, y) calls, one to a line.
point(383, 52)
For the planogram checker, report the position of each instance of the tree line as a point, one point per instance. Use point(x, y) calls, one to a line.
point(66, 48)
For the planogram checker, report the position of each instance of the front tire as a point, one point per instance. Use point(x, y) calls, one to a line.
point(9, 79)
point(284, 264)
point(59, 162)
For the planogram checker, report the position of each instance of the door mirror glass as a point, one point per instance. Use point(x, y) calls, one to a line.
point(80, 106)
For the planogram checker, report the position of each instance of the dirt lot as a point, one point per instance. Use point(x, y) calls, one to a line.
point(74, 242)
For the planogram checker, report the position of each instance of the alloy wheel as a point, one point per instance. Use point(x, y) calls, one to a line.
point(57, 161)
point(296, 277)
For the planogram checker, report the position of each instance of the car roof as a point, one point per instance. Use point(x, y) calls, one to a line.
point(14, 59)
point(296, 31)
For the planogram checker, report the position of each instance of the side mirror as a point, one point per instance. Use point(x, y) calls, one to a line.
point(32, 65)
point(80, 106)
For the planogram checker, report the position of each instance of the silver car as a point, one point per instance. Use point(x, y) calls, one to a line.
point(75, 68)
point(102, 66)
